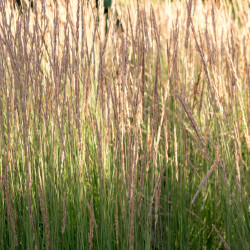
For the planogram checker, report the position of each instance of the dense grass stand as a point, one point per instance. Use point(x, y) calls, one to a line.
point(128, 136)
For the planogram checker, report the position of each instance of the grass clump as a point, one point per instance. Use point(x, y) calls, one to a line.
point(128, 136)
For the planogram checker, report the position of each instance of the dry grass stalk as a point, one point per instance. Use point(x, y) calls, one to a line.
point(189, 10)
point(116, 221)
point(217, 161)
point(237, 154)
point(100, 147)
point(204, 196)
point(91, 226)
point(204, 181)
point(166, 139)
point(1, 174)
point(9, 207)
point(176, 155)
point(198, 144)
point(200, 50)
point(158, 195)
point(237, 165)
point(246, 133)
point(133, 188)
point(191, 119)
point(155, 192)
point(142, 174)
point(222, 239)
point(195, 170)
point(64, 214)
point(44, 211)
